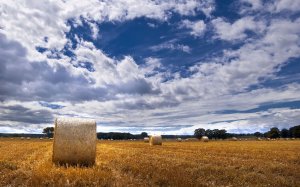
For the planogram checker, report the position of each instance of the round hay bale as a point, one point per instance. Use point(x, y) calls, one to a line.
point(204, 139)
point(28, 138)
point(156, 140)
point(74, 141)
point(146, 140)
point(234, 139)
point(179, 140)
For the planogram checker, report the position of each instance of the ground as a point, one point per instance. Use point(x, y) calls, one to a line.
point(135, 163)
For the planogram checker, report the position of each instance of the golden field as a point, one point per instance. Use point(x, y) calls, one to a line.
point(135, 163)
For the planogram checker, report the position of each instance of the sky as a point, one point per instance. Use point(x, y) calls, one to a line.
point(160, 66)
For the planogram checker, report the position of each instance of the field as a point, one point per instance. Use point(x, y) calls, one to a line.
point(134, 163)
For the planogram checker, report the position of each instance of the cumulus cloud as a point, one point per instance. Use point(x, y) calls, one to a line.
point(274, 7)
point(144, 95)
point(197, 27)
point(237, 30)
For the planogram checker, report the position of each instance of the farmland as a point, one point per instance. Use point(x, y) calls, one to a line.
point(135, 163)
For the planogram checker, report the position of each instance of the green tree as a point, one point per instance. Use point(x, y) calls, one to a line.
point(198, 133)
point(49, 131)
point(222, 134)
point(144, 134)
point(295, 131)
point(209, 133)
point(284, 133)
point(274, 133)
point(258, 134)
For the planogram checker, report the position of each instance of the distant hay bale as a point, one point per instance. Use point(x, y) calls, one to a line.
point(179, 140)
point(146, 140)
point(204, 139)
point(259, 139)
point(28, 138)
point(234, 139)
point(74, 141)
point(41, 138)
point(156, 140)
point(22, 138)
point(50, 138)
point(191, 139)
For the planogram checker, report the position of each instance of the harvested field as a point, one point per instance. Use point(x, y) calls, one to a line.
point(128, 163)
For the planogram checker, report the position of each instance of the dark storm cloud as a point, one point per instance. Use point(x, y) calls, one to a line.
point(37, 81)
point(22, 114)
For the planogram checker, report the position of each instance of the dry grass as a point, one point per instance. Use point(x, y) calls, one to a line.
point(127, 163)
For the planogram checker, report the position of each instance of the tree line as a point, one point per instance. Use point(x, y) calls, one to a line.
point(274, 132)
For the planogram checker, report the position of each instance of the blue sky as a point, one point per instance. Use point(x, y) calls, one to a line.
point(164, 67)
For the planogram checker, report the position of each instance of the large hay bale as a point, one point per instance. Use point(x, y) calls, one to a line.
point(156, 140)
point(179, 140)
point(146, 140)
point(204, 139)
point(74, 141)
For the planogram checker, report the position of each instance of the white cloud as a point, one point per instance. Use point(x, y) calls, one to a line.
point(197, 27)
point(275, 6)
point(171, 46)
point(237, 30)
point(131, 96)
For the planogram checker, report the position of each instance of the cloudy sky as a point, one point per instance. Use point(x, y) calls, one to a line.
point(161, 66)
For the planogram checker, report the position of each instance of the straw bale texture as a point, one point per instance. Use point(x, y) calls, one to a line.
point(146, 140)
point(156, 140)
point(204, 139)
point(74, 141)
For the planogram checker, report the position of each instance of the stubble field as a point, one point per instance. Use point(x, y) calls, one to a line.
point(134, 163)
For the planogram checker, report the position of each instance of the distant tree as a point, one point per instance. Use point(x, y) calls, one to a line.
point(144, 134)
point(215, 133)
point(295, 131)
point(49, 131)
point(284, 133)
point(209, 133)
point(258, 134)
point(274, 133)
point(222, 134)
point(198, 133)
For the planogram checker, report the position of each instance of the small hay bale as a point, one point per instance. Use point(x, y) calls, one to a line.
point(22, 138)
point(156, 140)
point(28, 138)
point(146, 140)
point(204, 139)
point(74, 141)
point(234, 139)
